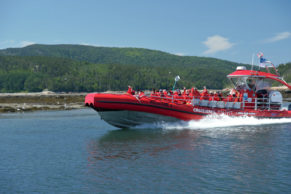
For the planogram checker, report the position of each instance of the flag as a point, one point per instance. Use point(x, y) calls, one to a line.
point(263, 62)
point(260, 54)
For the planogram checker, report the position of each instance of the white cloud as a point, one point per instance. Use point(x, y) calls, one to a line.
point(14, 44)
point(279, 36)
point(216, 43)
point(26, 43)
point(179, 54)
point(85, 44)
point(89, 44)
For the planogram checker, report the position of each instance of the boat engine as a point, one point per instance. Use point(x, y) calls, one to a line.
point(276, 100)
point(275, 97)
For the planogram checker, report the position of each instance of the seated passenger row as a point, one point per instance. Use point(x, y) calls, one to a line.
point(187, 95)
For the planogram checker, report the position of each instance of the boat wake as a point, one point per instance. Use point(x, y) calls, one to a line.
point(218, 121)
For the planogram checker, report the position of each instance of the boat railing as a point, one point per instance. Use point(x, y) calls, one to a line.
point(263, 103)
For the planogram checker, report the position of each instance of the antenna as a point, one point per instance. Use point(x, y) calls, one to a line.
point(259, 61)
point(253, 61)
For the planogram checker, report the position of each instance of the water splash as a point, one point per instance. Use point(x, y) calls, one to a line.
point(221, 121)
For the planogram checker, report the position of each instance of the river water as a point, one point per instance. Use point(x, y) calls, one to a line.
point(76, 152)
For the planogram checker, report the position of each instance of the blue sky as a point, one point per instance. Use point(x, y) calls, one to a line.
point(225, 29)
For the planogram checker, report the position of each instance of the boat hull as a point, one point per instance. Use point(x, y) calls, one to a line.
point(124, 110)
point(127, 119)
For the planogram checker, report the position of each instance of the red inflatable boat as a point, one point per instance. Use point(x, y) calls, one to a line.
point(252, 97)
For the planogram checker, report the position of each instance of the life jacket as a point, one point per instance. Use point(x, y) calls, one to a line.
point(165, 93)
point(175, 95)
point(191, 95)
point(204, 95)
point(196, 93)
point(216, 97)
point(192, 91)
point(184, 92)
point(236, 99)
point(129, 91)
point(154, 94)
point(229, 98)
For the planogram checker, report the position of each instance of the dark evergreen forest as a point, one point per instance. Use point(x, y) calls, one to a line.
point(76, 68)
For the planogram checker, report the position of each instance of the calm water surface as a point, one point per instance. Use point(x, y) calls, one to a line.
point(74, 151)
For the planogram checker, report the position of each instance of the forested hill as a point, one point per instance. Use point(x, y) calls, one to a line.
point(108, 55)
point(76, 68)
point(285, 71)
point(35, 73)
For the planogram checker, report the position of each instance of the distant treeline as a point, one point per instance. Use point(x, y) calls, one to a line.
point(74, 68)
point(285, 71)
point(37, 73)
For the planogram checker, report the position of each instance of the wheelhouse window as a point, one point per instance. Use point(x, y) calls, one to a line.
point(251, 83)
point(239, 82)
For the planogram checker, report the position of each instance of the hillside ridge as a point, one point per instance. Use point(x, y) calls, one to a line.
point(80, 68)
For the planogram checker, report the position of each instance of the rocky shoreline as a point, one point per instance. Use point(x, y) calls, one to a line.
point(20, 102)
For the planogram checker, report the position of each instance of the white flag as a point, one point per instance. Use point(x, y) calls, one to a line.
point(177, 78)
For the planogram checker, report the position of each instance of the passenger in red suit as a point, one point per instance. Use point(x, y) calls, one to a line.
point(196, 93)
point(216, 97)
point(204, 94)
point(186, 94)
point(219, 95)
point(130, 90)
point(165, 93)
point(229, 98)
point(211, 96)
point(191, 93)
point(161, 93)
point(153, 94)
point(140, 93)
point(176, 95)
point(184, 91)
